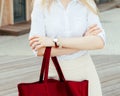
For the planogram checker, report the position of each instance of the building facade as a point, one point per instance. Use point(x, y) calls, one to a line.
point(14, 11)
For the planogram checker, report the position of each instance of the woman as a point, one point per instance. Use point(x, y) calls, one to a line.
point(70, 27)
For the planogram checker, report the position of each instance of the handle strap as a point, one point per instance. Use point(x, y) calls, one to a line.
point(58, 68)
point(45, 66)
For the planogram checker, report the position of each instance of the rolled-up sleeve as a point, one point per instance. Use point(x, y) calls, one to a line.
point(94, 19)
point(37, 22)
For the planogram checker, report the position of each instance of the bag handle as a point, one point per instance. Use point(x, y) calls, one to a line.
point(45, 66)
point(47, 50)
point(58, 68)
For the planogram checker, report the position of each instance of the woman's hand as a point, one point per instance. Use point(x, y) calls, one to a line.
point(92, 30)
point(38, 42)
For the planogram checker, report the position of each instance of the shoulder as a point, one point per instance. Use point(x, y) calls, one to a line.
point(90, 7)
point(37, 9)
point(88, 3)
point(92, 3)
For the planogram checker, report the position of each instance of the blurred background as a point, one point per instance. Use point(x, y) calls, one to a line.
point(18, 64)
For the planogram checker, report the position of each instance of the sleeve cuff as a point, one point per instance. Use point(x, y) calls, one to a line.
point(102, 37)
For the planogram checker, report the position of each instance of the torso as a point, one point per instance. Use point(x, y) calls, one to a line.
point(66, 22)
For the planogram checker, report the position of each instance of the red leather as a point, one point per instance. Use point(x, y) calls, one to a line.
point(53, 87)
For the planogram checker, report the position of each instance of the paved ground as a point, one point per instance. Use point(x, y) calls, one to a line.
point(17, 69)
point(11, 45)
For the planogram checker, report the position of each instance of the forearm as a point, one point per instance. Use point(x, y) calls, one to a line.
point(58, 51)
point(83, 43)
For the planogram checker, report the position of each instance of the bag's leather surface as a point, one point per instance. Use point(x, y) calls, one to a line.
point(52, 87)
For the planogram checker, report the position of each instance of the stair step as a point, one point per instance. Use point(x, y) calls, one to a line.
point(16, 29)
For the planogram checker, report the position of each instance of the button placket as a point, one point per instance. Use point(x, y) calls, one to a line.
point(66, 16)
point(66, 22)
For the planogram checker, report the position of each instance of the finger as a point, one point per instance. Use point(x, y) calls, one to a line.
point(96, 32)
point(91, 26)
point(91, 30)
point(38, 47)
point(35, 44)
point(34, 40)
point(94, 29)
point(36, 36)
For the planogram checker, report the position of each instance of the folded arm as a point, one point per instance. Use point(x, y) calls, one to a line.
point(95, 39)
point(57, 51)
point(89, 41)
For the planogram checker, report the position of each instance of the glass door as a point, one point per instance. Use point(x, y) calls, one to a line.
point(19, 11)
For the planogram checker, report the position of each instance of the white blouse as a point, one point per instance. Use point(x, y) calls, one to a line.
point(60, 22)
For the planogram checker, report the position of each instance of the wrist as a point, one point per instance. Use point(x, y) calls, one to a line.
point(52, 42)
point(57, 43)
point(55, 40)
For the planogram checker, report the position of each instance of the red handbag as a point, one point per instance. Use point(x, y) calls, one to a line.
point(53, 87)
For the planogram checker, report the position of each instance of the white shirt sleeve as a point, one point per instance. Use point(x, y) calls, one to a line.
point(37, 22)
point(94, 19)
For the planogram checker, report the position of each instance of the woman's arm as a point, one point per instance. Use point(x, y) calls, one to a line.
point(83, 43)
point(39, 43)
point(57, 51)
point(72, 45)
